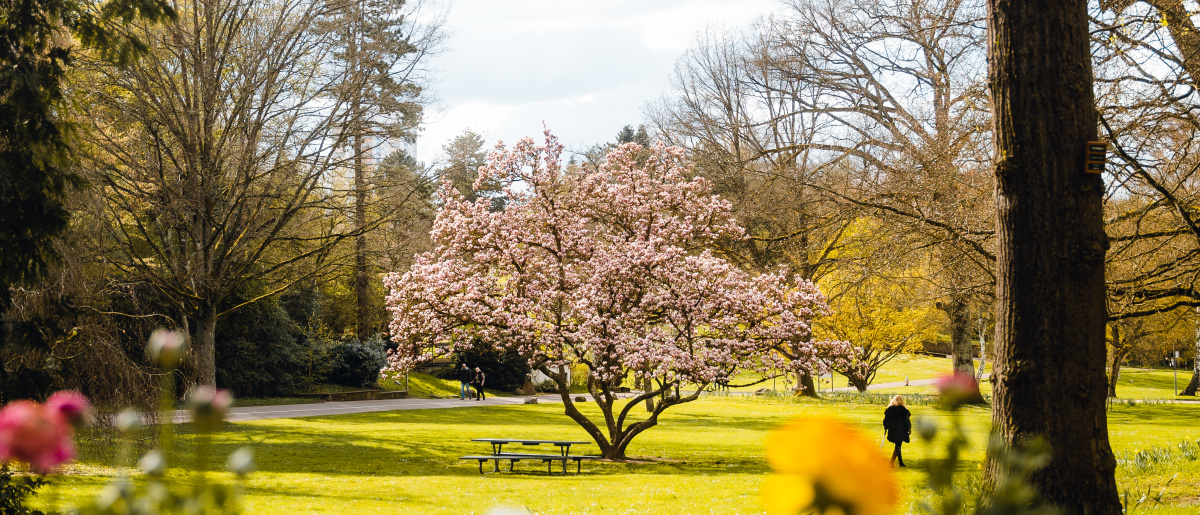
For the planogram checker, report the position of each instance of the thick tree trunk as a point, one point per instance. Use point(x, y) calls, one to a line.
point(859, 384)
point(204, 348)
point(1194, 384)
point(962, 352)
point(1050, 315)
point(808, 387)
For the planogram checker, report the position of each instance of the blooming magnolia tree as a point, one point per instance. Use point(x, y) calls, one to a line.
point(609, 269)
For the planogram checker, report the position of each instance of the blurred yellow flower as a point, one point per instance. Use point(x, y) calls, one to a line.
point(827, 465)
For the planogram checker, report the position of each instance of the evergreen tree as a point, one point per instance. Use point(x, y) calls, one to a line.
point(35, 137)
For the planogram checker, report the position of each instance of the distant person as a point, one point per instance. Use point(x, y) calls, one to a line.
point(480, 377)
point(464, 378)
point(897, 426)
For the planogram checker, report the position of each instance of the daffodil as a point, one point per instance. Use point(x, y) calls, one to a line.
point(828, 466)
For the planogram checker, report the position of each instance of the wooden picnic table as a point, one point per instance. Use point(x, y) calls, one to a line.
point(564, 454)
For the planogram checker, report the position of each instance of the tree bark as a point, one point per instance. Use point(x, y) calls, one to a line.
point(648, 385)
point(361, 272)
point(204, 348)
point(808, 387)
point(362, 325)
point(1050, 314)
point(1194, 384)
point(982, 349)
point(962, 352)
point(1114, 367)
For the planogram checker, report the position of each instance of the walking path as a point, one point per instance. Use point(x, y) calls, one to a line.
point(894, 384)
point(348, 407)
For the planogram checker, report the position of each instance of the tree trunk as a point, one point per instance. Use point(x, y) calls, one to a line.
point(1114, 371)
point(808, 387)
point(962, 352)
point(1194, 384)
point(982, 349)
point(1050, 354)
point(648, 385)
point(204, 348)
point(362, 319)
point(362, 325)
point(859, 384)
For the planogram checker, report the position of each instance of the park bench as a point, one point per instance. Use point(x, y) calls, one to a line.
point(564, 455)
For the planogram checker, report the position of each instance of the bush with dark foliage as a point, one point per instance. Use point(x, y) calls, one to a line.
point(261, 351)
point(356, 363)
point(15, 490)
point(505, 371)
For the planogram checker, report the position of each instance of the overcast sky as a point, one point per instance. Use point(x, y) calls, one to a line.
point(583, 67)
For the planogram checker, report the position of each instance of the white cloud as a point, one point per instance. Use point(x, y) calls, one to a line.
point(585, 68)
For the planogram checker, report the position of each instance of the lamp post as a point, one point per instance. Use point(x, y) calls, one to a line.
point(1175, 366)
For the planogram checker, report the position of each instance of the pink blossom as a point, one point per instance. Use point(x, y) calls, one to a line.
point(957, 388)
point(72, 406)
point(208, 407)
point(606, 268)
point(35, 434)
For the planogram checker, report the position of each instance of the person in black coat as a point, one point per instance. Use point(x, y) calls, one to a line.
point(464, 379)
point(897, 426)
point(478, 382)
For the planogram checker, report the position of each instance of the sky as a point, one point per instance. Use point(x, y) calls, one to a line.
point(584, 68)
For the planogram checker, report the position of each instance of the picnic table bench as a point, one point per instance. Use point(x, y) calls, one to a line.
point(498, 454)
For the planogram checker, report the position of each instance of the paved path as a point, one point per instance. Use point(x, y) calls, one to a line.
point(347, 407)
point(881, 386)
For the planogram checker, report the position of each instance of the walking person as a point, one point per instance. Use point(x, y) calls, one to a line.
point(478, 383)
point(464, 379)
point(897, 426)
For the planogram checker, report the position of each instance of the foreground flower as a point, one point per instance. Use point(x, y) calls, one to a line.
point(34, 434)
point(166, 348)
point(826, 465)
point(72, 406)
point(957, 389)
point(208, 406)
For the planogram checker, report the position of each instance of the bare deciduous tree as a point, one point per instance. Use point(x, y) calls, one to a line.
point(212, 158)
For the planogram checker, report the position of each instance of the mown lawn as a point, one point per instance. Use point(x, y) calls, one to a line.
point(705, 457)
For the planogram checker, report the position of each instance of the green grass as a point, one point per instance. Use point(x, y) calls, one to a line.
point(242, 402)
point(704, 457)
point(1149, 383)
point(426, 386)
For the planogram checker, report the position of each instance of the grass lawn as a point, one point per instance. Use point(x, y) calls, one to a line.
point(705, 457)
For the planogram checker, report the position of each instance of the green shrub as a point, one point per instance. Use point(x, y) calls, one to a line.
point(505, 371)
point(261, 352)
point(15, 490)
point(356, 363)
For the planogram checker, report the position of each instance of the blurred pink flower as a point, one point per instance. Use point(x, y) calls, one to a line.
point(72, 406)
point(208, 406)
point(957, 389)
point(35, 434)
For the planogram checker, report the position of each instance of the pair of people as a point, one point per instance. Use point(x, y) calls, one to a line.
point(467, 380)
point(897, 426)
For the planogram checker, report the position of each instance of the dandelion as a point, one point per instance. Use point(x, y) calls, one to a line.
point(826, 465)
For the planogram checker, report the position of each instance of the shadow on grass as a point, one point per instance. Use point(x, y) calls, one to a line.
point(1178, 415)
point(429, 443)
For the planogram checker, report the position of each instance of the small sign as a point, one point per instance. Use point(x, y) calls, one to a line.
point(1097, 155)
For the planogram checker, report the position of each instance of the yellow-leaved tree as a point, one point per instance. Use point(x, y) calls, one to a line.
point(881, 317)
